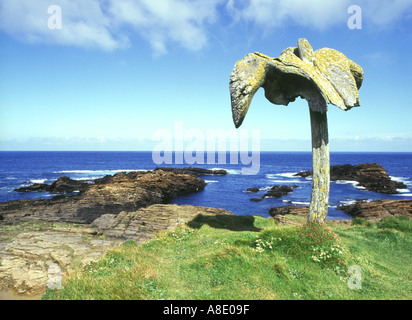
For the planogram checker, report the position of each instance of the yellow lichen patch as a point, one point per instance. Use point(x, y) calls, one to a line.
point(256, 77)
point(310, 71)
point(263, 56)
point(305, 50)
point(337, 69)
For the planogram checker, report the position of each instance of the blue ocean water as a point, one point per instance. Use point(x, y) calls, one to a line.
point(228, 192)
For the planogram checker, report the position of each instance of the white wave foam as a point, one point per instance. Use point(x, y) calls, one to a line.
point(403, 195)
point(301, 203)
point(211, 181)
point(87, 178)
point(284, 174)
point(347, 202)
point(38, 180)
point(403, 190)
point(287, 174)
point(230, 171)
point(352, 201)
point(355, 184)
point(288, 181)
point(399, 179)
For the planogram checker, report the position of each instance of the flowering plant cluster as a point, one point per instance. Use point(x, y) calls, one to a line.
point(262, 245)
point(181, 234)
point(323, 254)
point(314, 237)
point(316, 233)
point(324, 243)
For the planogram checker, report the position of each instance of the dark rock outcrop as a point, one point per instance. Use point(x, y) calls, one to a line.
point(283, 214)
point(61, 185)
point(376, 210)
point(371, 176)
point(279, 191)
point(294, 210)
point(36, 187)
point(67, 185)
point(109, 195)
point(274, 192)
point(195, 171)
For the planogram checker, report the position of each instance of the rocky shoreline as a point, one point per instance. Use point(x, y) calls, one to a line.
point(369, 210)
point(72, 229)
point(379, 209)
point(111, 194)
point(371, 176)
point(30, 250)
point(87, 218)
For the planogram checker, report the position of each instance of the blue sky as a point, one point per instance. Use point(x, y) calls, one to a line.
point(118, 71)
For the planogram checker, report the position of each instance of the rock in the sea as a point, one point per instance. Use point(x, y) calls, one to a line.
point(371, 176)
point(112, 194)
point(274, 192)
point(279, 191)
point(194, 171)
point(65, 184)
point(376, 210)
point(62, 185)
point(36, 187)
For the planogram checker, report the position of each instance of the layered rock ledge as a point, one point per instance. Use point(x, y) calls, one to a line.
point(34, 253)
point(369, 210)
point(31, 252)
point(376, 210)
point(40, 235)
point(371, 176)
point(144, 223)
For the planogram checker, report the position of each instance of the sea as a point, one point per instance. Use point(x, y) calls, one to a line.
point(18, 169)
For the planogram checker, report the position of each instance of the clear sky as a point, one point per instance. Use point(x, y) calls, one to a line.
point(118, 71)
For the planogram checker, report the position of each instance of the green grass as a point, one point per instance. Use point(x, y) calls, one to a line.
point(253, 258)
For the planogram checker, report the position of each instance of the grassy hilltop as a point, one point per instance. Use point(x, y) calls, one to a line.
point(226, 257)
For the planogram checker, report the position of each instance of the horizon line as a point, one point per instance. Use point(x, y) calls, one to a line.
point(205, 151)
